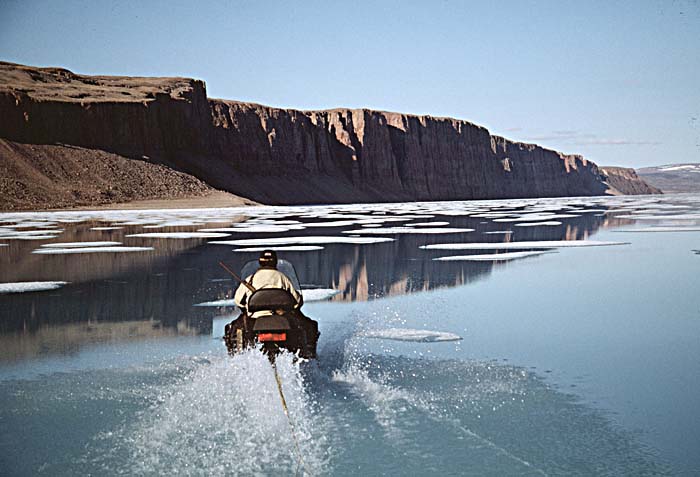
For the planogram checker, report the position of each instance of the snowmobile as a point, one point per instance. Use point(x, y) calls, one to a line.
point(285, 328)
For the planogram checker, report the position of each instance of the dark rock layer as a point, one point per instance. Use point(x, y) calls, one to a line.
point(279, 156)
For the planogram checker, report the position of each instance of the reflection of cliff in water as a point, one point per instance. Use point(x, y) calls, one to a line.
point(162, 291)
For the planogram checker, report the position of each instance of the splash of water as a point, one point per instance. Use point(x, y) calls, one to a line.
point(224, 416)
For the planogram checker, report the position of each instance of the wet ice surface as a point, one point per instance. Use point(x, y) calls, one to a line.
point(79, 244)
point(520, 245)
point(23, 287)
point(487, 257)
point(116, 372)
point(75, 250)
point(404, 334)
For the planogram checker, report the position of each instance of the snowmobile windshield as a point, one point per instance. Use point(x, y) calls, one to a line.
point(282, 265)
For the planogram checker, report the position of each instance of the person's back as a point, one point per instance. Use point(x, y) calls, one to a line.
point(267, 276)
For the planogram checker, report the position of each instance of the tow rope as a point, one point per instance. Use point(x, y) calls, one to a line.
point(300, 462)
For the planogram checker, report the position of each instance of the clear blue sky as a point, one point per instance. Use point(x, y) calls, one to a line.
point(616, 81)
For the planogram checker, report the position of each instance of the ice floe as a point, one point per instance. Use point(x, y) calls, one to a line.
point(64, 251)
point(661, 229)
point(489, 257)
point(407, 334)
point(79, 244)
point(23, 287)
point(28, 237)
point(519, 245)
point(180, 235)
point(255, 229)
point(106, 228)
point(537, 224)
point(428, 224)
point(536, 217)
point(311, 240)
point(227, 302)
point(495, 232)
point(319, 294)
point(407, 230)
point(284, 248)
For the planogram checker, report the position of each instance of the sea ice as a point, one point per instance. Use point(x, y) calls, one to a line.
point(79, 244)
point(407, 230)
point(490, 257)
point(254, 229)
point(228, 302)
point(284, 248)
point(536, 217)
point(62, 251)
point(661, 229)
point(493, 232)
point(28, 237)
point(407, 334)
point(537, 224)
point(319, 294)
point(173, 223)
point(428, 224)
point(180, 235)
point(312, 240)
point(106, 228)
point(22, 287)
point(519, 245)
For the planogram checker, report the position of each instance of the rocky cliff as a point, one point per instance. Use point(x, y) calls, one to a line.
point(279, 156)
point(627, 181)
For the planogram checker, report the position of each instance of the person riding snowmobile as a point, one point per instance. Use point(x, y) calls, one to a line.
point(267, 276)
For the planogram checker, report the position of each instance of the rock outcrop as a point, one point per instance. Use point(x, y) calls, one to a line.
point(279, 156)
point(627, 182)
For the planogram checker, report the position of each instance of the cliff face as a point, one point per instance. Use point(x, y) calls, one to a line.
point(281, 156)
point(627, 182)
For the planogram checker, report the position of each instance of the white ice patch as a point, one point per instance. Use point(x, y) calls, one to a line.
point(500, 232)
point(407, 230)
point(64, 251)
point(428, 224)
point(537, 224)
point(536, 217)
point(79, 244)
point(660, 217)
point(520, 245)
point(174, 223)
point(284, 248)
point(254, 229)
point(179, 235)
point(227, 302)
point(489, 257)
point(106, 228)
point(407, 334)
point(319, 294)
point(28, 237)
point(311, 240)
point(23, 287)
point(661, 229)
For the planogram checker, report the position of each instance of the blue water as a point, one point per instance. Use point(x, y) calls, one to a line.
point(579, 362)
